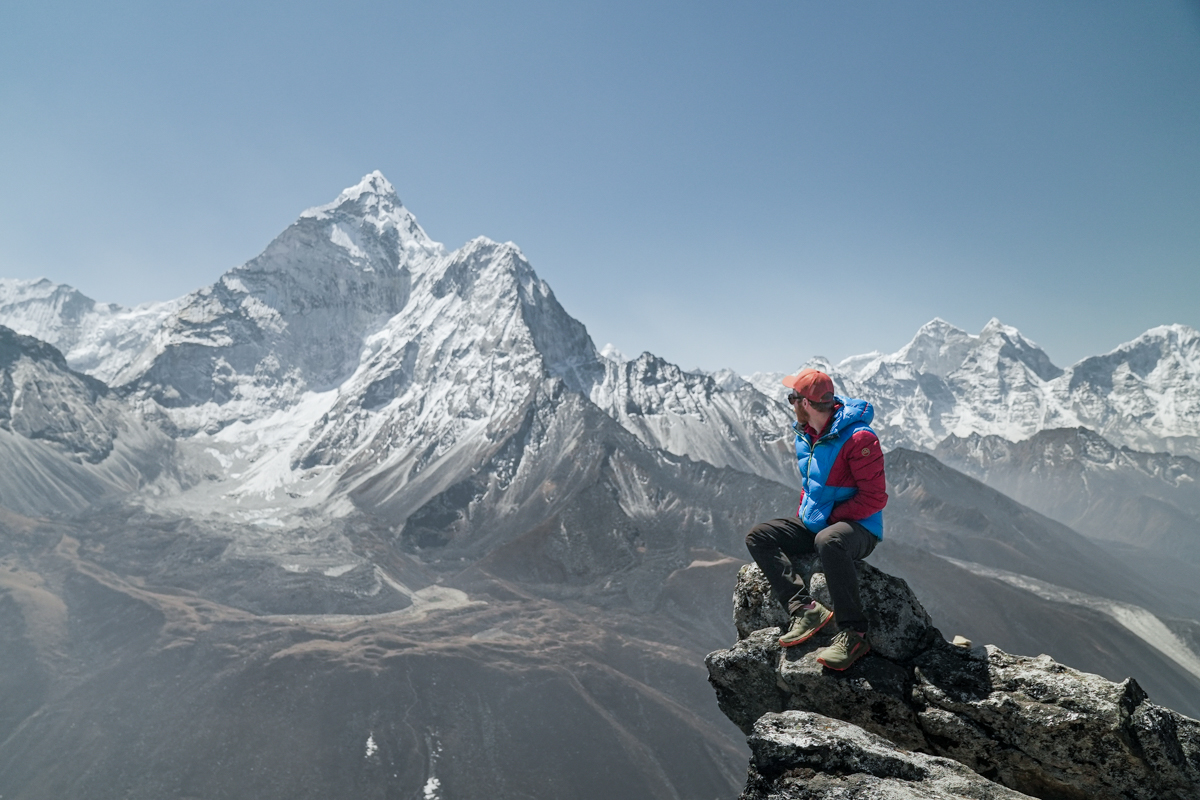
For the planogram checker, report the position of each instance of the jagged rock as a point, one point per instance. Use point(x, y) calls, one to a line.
point(753, 606)
point(42, 399)
point(798, 755)
point(1030, 724)
point(1053, 731)
point(757, 676)
point(900, 626)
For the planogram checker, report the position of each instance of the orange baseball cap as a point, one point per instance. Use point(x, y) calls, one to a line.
point(811, 383)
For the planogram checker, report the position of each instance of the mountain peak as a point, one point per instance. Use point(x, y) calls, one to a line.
point(939, 326)
point(372, 183)
point(372, 191)
point(994, 325)
point(937, 347)
point(936, 332)
point(1175, 333)
point(373, 201)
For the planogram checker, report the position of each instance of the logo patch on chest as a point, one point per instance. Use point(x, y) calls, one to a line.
point(866, 451)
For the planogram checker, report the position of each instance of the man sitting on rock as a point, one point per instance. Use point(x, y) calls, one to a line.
point(840, 517)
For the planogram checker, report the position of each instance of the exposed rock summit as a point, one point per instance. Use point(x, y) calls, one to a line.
point(804, 756)
point(1028, 724)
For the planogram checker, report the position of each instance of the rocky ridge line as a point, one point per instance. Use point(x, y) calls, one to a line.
point(1026, 725)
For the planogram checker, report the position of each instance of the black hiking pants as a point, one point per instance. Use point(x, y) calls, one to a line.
point(773, 544)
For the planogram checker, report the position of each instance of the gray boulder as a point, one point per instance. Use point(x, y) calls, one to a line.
point(900, 626)
point(1029, 724)
point(798, 755)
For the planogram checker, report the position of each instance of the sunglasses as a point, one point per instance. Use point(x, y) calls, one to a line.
point(794, 398)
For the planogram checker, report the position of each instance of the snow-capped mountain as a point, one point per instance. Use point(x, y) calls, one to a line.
point(317, 350)
point(66, 442)
point(99, 339)
point(356, 347)
point(1075, 475)
point(292, 319)
point(715, 418)
point(1144, 394)
point(449, 379)
point(1144, 506)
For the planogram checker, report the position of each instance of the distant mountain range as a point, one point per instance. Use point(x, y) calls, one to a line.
point(1144, 395)
point(368, 514)
point(1144, 507)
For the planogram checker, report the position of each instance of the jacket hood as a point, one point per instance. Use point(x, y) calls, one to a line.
point(852, 412)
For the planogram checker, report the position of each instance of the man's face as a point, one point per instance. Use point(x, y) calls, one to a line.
point(798, 405)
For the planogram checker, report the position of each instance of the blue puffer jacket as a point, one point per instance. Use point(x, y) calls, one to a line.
point(826, 472)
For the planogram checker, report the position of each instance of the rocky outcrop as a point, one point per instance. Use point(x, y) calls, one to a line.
point(41, 398)
point(1028, 724)
point(798, 755)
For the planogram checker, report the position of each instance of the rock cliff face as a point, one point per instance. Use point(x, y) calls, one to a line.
point(799, 755)
point(1029, 726)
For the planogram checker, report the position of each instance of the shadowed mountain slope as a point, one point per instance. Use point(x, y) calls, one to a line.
point(66, 441)
point(1143, 507)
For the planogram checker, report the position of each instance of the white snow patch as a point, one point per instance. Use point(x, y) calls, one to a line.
point(266, 444)
point(261, 519)
point(698, 563)
point(433, 789)
point(334, 572)
point(342, 238)
point(266, 316)
point(225, 461)
point(495, 635)
point(611, 352)
point(372, 748)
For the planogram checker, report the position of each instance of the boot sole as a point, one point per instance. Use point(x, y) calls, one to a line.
point(853, 661)
point(811, 634)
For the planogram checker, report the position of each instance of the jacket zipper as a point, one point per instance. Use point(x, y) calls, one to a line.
point(812, 447)
point(808, 464)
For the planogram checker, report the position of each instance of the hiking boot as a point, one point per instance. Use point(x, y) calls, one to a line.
point(847, 647)
point(805, 625)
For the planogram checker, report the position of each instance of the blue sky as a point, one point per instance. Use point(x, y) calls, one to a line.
point(723, 184)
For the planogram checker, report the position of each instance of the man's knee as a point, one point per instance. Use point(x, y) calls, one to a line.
point(827, 540)
point(760, 535)
point(834, 538)
point(845, 538)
